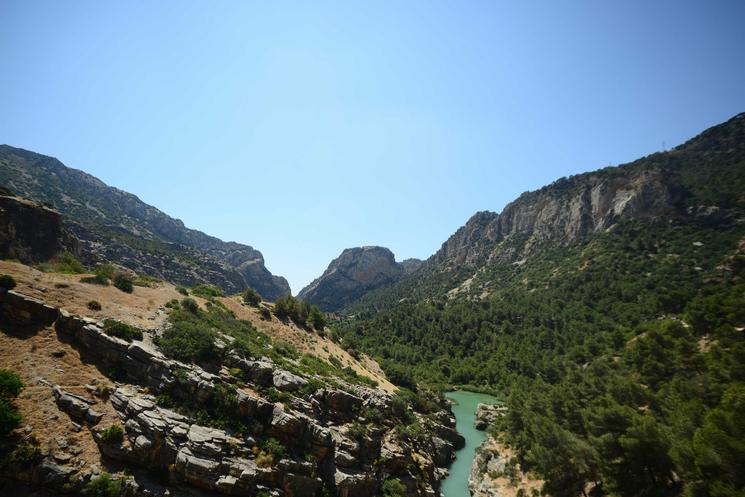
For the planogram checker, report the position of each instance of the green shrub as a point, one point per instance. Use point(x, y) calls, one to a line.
point(273, 395)
point(10, 387)
point(251, 297)
point(7, 281)
point(103, 486)
point(105, 271)
point(188, 341)
point(394, 488)
point(182, 290)
point(121, 330)
point(301, 313)
point(10, 384)
point(190, 305)
point(9, 417)
point(285, 349)
point(95, 280)
point(94, 305)
point(112, 434)
point(274, 447)
point(64, 262)
point(123, 282)
point(373, 415)
point(357, 431)
point(265, 313)
point(146, 281)
point(317, 318)
point(206, 291)
point(313, 385)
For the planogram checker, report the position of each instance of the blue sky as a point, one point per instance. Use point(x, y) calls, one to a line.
point(303, 128)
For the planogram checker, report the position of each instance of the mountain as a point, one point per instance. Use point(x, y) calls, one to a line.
point(606, 309)
point(356, 272)
point(117, 226)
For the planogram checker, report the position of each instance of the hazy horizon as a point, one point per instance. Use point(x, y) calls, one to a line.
point(302, 130)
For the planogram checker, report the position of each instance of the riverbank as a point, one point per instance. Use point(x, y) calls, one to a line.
point(495, 473)
point(464, 410)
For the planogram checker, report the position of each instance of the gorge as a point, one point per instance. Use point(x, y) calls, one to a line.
point(606, 309)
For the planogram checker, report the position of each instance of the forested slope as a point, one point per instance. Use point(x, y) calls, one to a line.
point(619, 345)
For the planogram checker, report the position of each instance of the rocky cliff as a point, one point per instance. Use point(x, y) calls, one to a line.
point(119, 227)
point(681, 183)
point(30, 232)
point(356, 272)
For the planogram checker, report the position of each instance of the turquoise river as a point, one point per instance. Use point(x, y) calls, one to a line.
point(464, 409)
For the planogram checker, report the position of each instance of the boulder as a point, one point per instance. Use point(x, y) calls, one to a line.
point(21, 310)
point(76, 406)
point(486, 414)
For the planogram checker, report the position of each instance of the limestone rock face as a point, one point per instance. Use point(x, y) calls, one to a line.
point(563, 212)
point(354, 273)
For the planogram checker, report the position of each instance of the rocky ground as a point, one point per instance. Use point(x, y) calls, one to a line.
point(338, 438)
point(495, 472)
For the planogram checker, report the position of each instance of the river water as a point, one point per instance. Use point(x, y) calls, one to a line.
point(464, 409)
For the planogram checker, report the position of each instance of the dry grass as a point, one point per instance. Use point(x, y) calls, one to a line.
point(144, 307)
point(35, 358)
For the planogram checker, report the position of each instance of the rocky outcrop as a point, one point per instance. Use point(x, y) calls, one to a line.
point(570, 210)
point(354, 273)
point(319, 447)
point(486, 414)
point(76, 406)
point(117, 226)
point(564, 212)
point(32, 233)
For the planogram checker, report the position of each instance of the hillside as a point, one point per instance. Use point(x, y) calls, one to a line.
point(355, 273)
point(197, 396)
point(116, 226)
point(607, 309)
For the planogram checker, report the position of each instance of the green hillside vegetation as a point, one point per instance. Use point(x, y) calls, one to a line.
point(621, 358)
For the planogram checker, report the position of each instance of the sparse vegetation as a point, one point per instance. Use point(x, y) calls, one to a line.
point(190, 305)
point(301, 313)
point(94, 305)
point(103, 486)
point(123, 282)
point(251, 297)
point(144, 280)
point(64, 262)
point(121, 330)
point(265, 313)
point(394, 488)
point(182, 290)
point(206, 291)
point(95, 280)
point(268, 452)
point(10, 387)
point(114, 434)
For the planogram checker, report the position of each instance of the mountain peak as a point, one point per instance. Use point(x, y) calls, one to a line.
point(355, 272)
